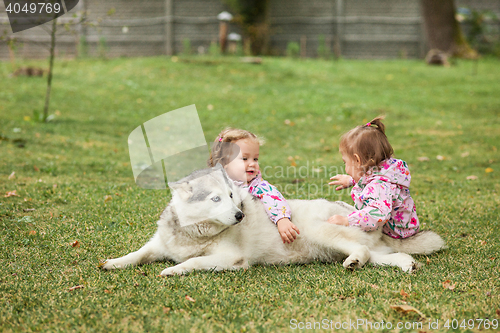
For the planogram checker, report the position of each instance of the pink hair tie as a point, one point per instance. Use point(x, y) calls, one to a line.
point(220, 139)
point(368, 124)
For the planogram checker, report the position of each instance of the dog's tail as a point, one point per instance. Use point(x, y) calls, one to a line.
point(423, 242)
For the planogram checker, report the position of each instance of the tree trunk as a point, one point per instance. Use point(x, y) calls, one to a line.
point(253, 16)
point(51, 66)
point(442, 30)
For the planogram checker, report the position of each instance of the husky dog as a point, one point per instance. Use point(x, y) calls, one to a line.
point(213, 224)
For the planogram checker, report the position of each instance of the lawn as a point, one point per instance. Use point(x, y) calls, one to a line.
point(76, 202)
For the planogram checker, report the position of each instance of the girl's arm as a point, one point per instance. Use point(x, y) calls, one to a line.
point(377, 207)
point(277, 209)
point(274, 202)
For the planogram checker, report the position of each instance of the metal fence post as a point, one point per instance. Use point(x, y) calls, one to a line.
point(169, 27)
point(340, 26)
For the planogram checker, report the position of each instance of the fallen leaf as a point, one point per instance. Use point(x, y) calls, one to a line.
point(471, 177)
point(189, 298)
point(482, 242)
point(440, 158)
point(448, 285)
point(12, 175)
point(11, 194)
point(465, 154)
point(498, 312)
point(488, 170)
point(423, 158)
point(166, 309)
point(75, 244)
point(108, 198)
point(428, 261)
point(404, 294)
point(76, 287)
point(406, 308)
point(32, 233)
point(35, 168)
point(107, 291)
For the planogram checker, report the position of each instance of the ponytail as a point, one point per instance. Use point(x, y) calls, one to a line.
point(377, 122)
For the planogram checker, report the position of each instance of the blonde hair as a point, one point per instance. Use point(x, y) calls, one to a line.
point(223, 151)
point(369, 142)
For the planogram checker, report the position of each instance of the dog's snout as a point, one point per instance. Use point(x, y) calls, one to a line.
point(239, 216)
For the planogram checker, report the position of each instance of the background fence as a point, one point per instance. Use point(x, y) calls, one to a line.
point(351, 28)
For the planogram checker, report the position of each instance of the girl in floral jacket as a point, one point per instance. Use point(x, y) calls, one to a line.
point(237, 151)
point(381, 191)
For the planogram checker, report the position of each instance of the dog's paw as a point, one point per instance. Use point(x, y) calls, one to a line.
point(174, 270)
point(411, 267)
point(110, 264)
point(351, 264)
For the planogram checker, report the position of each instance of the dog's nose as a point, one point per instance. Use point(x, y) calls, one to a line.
point(239, 216)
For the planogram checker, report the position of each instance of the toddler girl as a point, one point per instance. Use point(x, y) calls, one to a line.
point(381, 183)
point(244, 168)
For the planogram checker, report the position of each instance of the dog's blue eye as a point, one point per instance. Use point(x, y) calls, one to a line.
point(216, 199)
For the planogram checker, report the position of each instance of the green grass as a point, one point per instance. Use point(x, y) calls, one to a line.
point(64, 170)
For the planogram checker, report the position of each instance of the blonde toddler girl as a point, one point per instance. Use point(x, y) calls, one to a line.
point(243, 165)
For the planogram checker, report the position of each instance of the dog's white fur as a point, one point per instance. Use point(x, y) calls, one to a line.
point(207, 235)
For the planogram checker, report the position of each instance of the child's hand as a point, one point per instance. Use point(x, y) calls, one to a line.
point(288, 231)
point(343, 180)
point(339, 220)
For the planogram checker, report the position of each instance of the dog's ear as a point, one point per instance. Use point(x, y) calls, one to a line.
point(224, 174)
point(218, 166)
point(184, 189)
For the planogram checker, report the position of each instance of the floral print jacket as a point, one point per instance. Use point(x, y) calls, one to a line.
point(274, 202)
point(382, 199)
